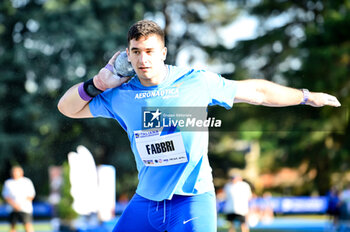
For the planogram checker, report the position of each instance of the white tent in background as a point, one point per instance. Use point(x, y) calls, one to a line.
point(106, 192)
point(92, 189)
point(83, 178)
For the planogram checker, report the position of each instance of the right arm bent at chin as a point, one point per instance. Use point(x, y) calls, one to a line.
point(72, 106)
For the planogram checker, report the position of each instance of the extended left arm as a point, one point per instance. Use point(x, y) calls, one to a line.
point(263, 92)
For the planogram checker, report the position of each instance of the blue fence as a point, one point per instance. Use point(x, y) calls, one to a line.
point(296, 205)
point(290, 205)
point(40, 209)
point(280, 205)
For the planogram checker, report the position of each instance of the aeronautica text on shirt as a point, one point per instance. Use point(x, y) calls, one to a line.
point(184, 118)
point(165, 93)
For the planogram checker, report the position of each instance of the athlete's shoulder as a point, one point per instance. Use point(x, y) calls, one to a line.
point(177, 72)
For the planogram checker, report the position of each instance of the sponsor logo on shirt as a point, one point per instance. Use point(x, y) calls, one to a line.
point(149, 133)
point(164, 93)
point(153, 161)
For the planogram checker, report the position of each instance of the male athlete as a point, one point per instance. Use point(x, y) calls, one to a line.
point(176, 194)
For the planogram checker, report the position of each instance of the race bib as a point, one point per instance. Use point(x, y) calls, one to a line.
point(160, 150)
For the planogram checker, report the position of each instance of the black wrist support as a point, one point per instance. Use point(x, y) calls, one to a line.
point(91, 89)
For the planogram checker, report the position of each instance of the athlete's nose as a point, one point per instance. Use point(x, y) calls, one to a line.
point(144, 58)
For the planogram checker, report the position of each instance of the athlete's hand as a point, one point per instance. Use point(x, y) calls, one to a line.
point(322, 99)
point(105, 79)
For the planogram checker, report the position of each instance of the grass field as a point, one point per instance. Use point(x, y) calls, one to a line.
point(38, 227)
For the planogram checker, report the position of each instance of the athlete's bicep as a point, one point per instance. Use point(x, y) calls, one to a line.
point(83, 113)
point(247, 92)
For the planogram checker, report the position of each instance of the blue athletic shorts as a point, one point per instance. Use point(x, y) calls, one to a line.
point(181, 213)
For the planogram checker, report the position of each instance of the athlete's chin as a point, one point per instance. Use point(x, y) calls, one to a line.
point(144, 75)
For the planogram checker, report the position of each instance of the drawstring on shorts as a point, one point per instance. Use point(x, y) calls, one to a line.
point(164, 211)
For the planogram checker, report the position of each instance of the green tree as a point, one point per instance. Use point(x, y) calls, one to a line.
point(301, 44)
point(64, 209)
point(47, 46)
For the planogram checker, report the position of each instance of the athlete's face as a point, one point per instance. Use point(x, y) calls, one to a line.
point(147, 56)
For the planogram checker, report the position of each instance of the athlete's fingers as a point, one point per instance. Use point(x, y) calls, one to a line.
point(114, 57)
point(333, 101)
point(323, 99)
point(330, 100)
point(124, 79)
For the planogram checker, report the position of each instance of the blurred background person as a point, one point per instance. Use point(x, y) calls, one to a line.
point(237, 194)
point(333, 208)
point(253, 216)
point(19, 193)
point(266, 208)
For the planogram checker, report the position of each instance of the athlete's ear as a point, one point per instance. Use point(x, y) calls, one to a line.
point(127, 52)
point(164, 53)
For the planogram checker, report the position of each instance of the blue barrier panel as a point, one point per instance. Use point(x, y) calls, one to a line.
point(293, 205)
point(4, 210)
point(283, 205)
point(303, 205)
point(40, 209)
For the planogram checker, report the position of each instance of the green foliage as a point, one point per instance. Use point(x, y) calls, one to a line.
point(47, 46)
point(64, 207)
point(307, 48)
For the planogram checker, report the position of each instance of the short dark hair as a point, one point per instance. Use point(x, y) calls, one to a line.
point(145, 28)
